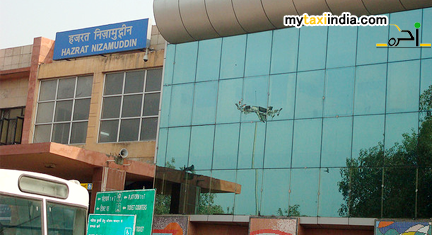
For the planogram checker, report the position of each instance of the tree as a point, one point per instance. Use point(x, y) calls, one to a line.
point(393, 182)
point(206, 205)
point(291, 211)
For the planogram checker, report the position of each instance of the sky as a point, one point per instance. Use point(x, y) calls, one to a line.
point(23, 20)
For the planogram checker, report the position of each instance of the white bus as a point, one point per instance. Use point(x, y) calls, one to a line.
point(38, 204)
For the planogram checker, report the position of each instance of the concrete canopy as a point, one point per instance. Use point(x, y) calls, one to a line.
point(68, 162)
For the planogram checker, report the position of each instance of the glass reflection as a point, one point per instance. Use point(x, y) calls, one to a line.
point(221, 203)
point(339, 89)
point(248, 202)
point(278, 144)
point(181, 107)
point(165, 106)
point(169, 64)
point(368, 132)
point(226, 146)
point(361, 190)
point(258, 53)
point(310, 93)
point(255, 93)
point(282, 94)
point(336, 143)
point(341, 46)
point(233, 57)
point(307, 147)
point(185, 62)
point(304, 192)
point(426, 74)
point(403, 86)
point(178, 147)
point(162, 145)
point(370, 89)
point(204, 107)
point(284, 50)
point(201, 149)
point(367, 39)
point(209, 52)
point(399, 192)
point(330, 199)
point(275, 192)
point(230, 92)
point(312, 49)
point(251, 152)
point(398, 125)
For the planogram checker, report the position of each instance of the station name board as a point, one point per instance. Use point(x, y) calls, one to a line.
point(125, 36)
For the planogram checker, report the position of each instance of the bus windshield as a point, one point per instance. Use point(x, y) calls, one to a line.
point(65, 220)
point(19, 216)
point(23, 216)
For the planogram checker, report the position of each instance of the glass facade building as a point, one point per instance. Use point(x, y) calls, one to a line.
point(353, 136)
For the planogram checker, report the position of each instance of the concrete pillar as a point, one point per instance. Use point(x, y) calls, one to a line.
point(106, 179)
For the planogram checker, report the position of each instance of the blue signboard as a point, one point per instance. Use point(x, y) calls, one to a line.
point(125, 36)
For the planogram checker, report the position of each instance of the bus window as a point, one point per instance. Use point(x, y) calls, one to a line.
point(20, 216)
point(65, 220)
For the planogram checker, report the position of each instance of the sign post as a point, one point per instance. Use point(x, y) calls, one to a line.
point(134, 202)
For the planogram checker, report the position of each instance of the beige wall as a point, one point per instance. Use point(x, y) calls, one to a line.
point(13, 78)
point(13, 92)
point(16, 57)
point(98, 66)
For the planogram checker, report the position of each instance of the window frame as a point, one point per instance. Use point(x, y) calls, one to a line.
point(5, 122)
point(122, 95)
point(55, 100)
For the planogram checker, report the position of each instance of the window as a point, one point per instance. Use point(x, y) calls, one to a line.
point(20, 215)
point(11, 124)
point(63, 110)
point(130, 106)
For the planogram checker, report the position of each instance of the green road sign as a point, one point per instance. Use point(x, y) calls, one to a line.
point(111, 224)
point(134, 202)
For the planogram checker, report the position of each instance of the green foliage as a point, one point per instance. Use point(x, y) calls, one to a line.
point(206, 205)
point(392, 182)
point(291, 211)
point(162, 204)
point(170, 164)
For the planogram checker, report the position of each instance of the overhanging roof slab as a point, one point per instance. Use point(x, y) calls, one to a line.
point(68, 162)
